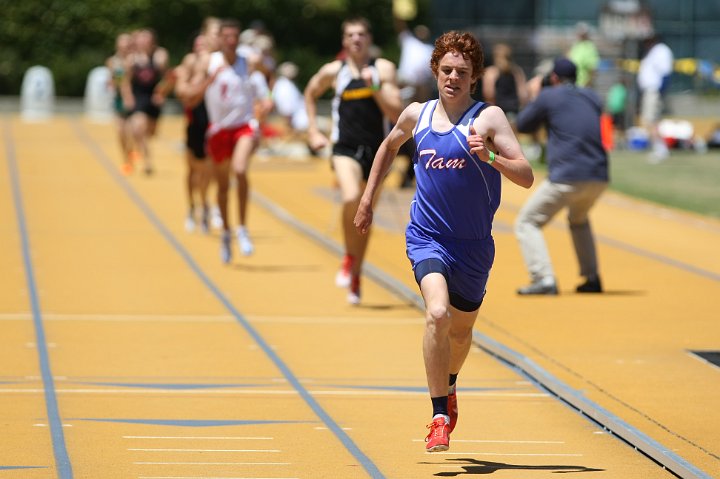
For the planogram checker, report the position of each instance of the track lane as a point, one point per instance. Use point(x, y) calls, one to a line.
point(338, 353)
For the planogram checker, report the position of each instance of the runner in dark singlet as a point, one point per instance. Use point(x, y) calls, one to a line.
point(191, 95)
point(359, 124)
point(366, 92)
point(143, 79)
point(144, 90)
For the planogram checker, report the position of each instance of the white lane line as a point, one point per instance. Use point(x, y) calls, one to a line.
point(505, 454)
point(15, 316)
point(410, 321)
point(288, 392)
point(123, 318)
point(219, 438)
point(498, 441)
point(413, 321)
point(201, 450)
point(154, 392)
point(209, 477)
point(212, 463)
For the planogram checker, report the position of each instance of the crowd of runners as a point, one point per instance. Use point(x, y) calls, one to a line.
point(460, 147)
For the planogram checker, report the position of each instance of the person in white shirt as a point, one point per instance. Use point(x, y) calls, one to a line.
point(235, 94)
point(414, 77)
point(289, 101)
point(653, 78)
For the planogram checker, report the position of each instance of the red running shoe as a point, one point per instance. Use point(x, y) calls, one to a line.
point(353, 296)
point(438, 439)
point(452, 411)
point(343, 276)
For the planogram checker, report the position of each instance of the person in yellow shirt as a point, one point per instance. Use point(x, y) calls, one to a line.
point(584, 55)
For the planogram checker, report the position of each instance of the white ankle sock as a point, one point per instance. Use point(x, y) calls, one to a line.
point(447, 418)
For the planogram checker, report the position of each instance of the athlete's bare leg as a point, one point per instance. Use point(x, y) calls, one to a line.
point(222, 180)
point(140, 125)
point(350, 180)
point(242, 154)
point(448, 334)
point(197, 180)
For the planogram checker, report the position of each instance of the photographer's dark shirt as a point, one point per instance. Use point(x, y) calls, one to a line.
point(572, 117)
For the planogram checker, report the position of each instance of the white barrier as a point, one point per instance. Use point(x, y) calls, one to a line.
point(37, 94)
point(99, 95)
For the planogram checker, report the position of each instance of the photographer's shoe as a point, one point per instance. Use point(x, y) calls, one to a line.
point(538, 288)
point(590, 286)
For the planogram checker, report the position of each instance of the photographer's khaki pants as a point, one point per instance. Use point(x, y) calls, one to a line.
point(540, 208)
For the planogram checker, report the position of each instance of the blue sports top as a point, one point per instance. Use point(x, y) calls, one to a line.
point(457, 193)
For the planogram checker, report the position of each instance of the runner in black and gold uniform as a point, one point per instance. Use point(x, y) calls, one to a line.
point(366, 96)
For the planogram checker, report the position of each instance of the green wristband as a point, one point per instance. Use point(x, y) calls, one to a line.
point(491, 158)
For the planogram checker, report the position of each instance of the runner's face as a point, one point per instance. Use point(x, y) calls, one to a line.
point(356, 39)
point(229, 39)
point(200, 45)
point(145, 41)
point(212, 37)
point(454, 75)
point(124, 44)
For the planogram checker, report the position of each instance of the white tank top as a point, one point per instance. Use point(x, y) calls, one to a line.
point(230, 97)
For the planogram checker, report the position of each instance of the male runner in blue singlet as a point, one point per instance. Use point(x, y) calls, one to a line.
point(462, 149)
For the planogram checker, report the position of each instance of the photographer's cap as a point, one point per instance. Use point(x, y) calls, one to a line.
point(564, 68)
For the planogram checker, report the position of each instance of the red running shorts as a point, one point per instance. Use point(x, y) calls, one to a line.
point(221, 144)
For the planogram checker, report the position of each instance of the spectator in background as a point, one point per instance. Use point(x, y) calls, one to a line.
point(653, 78)
point(584, 55)
point(288, 100)
point(615, 105)
point(415, 78)
point(577, 176)
point(713, 139)
point(256, 40)
point(504, 83)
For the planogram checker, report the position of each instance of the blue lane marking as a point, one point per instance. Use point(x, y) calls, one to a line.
point(62, 460)
point(190, 422)
point(346, 441)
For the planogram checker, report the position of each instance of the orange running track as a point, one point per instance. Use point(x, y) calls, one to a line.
point(130, 351)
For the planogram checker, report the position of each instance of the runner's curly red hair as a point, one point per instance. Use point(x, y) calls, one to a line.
point(464, 43)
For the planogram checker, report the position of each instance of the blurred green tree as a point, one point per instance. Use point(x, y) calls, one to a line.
point(71, 37)
point(67, 36)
